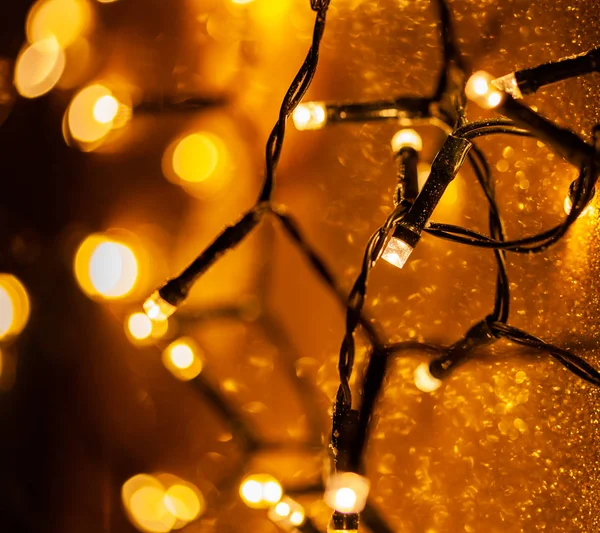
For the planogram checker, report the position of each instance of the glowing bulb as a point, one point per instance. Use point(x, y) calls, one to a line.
point(424, 380)
point(406, 139)
point(39, 68)
point(182, 359)
point(310, 116)
point(482, 91)
point(242, 2)
point(297, 518)
point(157, 308)
point(105, 268)
point(184, 502)
point(397, 252)
point(287, 514)
point(65, 20)
point(282, 509)
point(139, 326)
point(347, 492)
point(196, 157)
point(144, 500)
point(260, 491)
point(509, 85)
point(106, 109)
point(14, 306)
point(568, 205)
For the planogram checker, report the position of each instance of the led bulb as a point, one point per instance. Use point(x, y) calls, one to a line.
point(157, 308)
point(261, 491)
point(482, 91)
point(406, 139)
point(424, 380)
point(397, 252)
point(509, 85)
point(347, 492)
point(310, 116)
point(287, 514)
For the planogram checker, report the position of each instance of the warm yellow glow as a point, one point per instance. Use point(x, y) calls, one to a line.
point(406, 139)
point(297, 518)
point(424, 380)
point(480, 90)
point(310, 116)
point(183, 359)
point(184, 502)
point(242, 2)
point(347, 492)
point(568, 205)
point(65, 20)
point(144, 500)
point(157, 308)
point(39, 68)
point(260, 491)
point(14, 306)
point(93, 112)
point(105, 267)
point(106, 109)
point(397, 252)
point(139, 326)
point(106, 1)
point(196, 157)
point(282, 509)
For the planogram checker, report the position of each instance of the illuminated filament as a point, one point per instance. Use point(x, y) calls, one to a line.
point(310, 116)
point(157, 308)
point(482, 91)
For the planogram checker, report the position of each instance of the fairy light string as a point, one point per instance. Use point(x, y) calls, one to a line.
point(446, 109)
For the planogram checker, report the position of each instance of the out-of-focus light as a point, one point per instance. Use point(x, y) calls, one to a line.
point(183, 359)
point(424, 379)
point(310, 116)
point(287, 514)
point(397, 252)
point(144, 500)
point(14, 306)
point(184, 501)
point(39, 68)
point(106, 109)
point(94, 112)
point(347, 492)
point(241, 2)
point(196, 157)
point(105, 267)
point(406, 138)
point(260, 491)
point(65, 20)
point(157, 308)
point(568, 205)
point(139, 326)
point(107, 1)
point(481, 90)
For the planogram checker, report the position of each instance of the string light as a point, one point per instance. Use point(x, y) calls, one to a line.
point(424, 380)
point(347, 492)
point(310, 116)
point(260, 491)
point(183, 358)
point(481, 90)
point(158, 308)
point(406, 138)
point(288, 514)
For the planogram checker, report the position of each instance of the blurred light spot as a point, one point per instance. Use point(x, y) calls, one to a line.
point(184, 502)
point(39, 68)
point(105, 267)
point(196, 157)
point(14, 306)
point(65, 20)
point(260, 491)
point(139, 326)
point(144, 500)
point(183, 359)
point(242, 2)
point(105, 109)
point(94, 112)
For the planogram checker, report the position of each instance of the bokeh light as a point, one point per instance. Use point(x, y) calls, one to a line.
point(39, 68)
point(184, 501)
point(94, 112)
point(106, 268)
point(14, 306)
point(183, 358)
point(144, 500)
point(139, 326)
point(260, 491)
point(64, 20)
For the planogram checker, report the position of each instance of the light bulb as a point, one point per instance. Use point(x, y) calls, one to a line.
point(106, 109)
point(14, 306)
point(310, 116)
point(287, 514)
point(397, 252)
point(509, 85)
point(482, 91)
point(347, 492)
point(406, 138)
point(424, 380)
point(261, 491)
point(183, 359)
point(139, 326)
point(157, 308)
